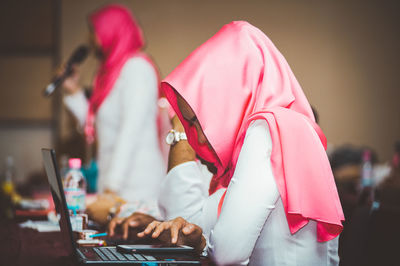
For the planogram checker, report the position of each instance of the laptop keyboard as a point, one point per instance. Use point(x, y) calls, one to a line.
point(111, 254)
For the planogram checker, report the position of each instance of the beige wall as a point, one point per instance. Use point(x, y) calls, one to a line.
point(24, 78)
point(26, 58)
point(343, 54)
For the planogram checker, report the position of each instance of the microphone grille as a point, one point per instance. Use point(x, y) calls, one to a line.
point(79, 55)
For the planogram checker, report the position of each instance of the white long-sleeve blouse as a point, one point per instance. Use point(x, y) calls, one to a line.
point(129, 157)
point(252, 227)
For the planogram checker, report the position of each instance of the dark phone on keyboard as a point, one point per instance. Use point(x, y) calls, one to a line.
point(158, 248)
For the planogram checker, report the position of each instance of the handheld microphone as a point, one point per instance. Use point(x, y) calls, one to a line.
point(77, 57)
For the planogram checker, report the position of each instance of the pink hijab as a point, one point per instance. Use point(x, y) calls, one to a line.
point(239, 76)
point(120, 39)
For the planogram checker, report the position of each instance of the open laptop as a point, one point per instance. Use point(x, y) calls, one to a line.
point(98, 255)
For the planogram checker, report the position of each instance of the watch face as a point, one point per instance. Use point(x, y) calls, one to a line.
point(170, 138)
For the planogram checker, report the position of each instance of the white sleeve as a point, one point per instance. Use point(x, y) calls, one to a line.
point(78, 105)
point(184, 192)
point(250, 198)
point(139, 81)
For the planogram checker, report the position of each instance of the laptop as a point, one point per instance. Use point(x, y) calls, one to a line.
point(99, 255)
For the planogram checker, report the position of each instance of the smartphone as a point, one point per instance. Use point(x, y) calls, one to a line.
point(180, 249)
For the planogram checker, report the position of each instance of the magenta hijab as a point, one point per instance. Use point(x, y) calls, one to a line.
point(120, 39)
point(239, 76)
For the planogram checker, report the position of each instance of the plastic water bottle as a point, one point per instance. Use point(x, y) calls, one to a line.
point(367, 195)
point(366, 174)
point(75, 186)
point(9, 175)
point(8, 196)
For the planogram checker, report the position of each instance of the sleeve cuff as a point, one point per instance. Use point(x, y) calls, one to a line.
point(185, 165)
point(204, 253)
point(72, 100)
point(78, 105)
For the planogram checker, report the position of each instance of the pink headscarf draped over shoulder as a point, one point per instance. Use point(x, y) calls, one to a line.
point(120, 38)
point(239, 76)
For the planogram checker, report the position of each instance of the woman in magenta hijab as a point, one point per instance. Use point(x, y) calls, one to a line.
point(122, 110)
point(245, 113)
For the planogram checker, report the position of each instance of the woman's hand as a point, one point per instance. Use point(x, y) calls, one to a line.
point(137, 220)
point(98, 211)
point(71, 83)
point(178, 232)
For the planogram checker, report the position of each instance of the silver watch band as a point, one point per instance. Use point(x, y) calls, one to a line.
point(174, 137)
point(180, 136)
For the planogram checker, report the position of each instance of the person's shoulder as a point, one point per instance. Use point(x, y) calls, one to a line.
point(138, 64)
point(258, 125)
point(258, 132)
point(140, 73)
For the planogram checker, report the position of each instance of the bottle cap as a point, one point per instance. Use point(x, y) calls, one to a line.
point(75, 163)
point(366, 155)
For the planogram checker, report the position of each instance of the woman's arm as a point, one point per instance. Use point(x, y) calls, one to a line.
point(184, 192)
point(75, 99)
point(78, 105)
point(250, 198)
point(181, 151)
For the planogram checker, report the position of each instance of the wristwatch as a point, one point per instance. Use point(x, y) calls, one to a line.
point(174, 137)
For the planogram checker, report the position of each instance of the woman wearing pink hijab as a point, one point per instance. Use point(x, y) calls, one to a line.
point(244, 112)
point(122, 110)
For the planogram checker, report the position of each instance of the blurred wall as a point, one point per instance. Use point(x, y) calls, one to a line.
point(344, 53)
point(24, 145)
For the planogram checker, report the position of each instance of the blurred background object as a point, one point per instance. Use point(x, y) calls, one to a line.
point(369, 191)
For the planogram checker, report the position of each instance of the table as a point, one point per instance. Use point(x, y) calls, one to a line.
point(23, 246)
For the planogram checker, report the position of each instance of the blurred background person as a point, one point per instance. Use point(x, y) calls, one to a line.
point(121, 111)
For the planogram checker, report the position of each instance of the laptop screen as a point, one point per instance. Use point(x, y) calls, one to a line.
point(56, 187)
